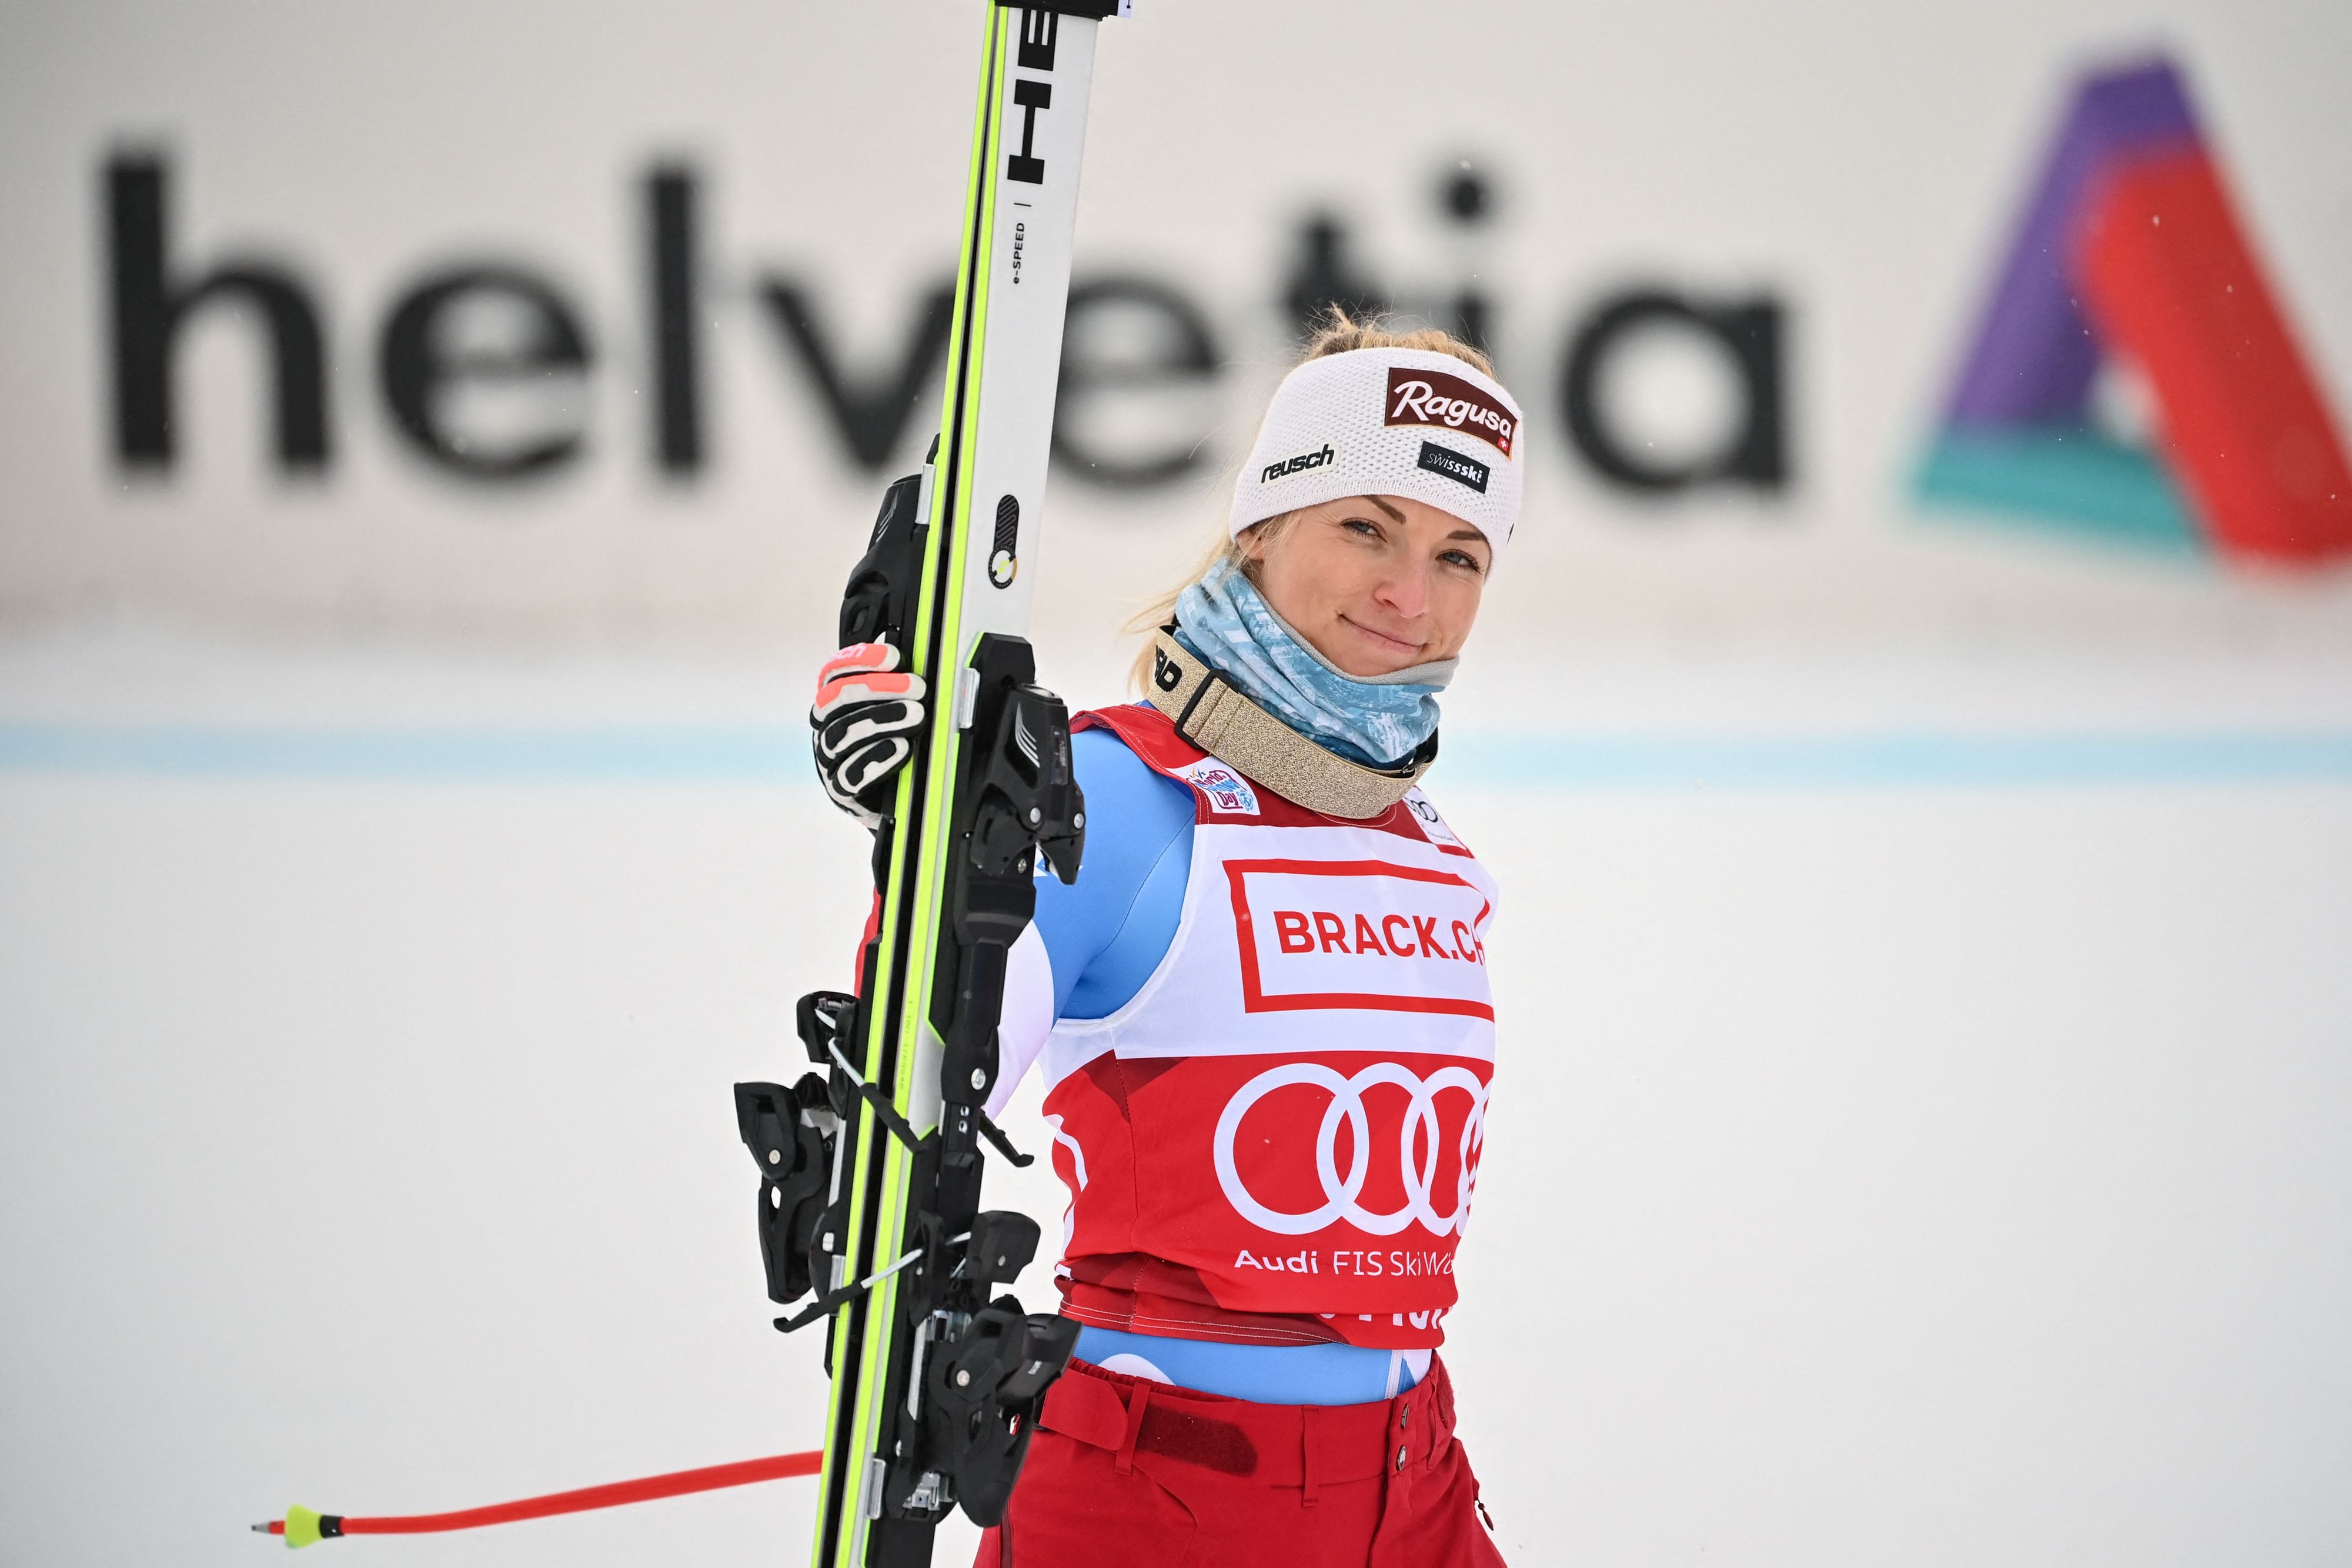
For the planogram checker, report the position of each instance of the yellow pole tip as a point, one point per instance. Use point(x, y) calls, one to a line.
point(302, 1527)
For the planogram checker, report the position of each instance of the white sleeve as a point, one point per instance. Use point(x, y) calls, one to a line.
point(1027, 1019)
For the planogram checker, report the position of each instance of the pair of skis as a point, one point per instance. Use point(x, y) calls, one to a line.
point(871, 1168)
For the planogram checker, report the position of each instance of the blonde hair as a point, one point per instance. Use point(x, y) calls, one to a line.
point(1336, 334)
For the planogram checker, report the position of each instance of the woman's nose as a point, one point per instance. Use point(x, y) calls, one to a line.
point(1405, 592)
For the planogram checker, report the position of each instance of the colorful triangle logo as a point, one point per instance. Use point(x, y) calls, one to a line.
point(2129, 248)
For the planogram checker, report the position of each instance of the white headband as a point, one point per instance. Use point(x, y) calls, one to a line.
point(1387, 422)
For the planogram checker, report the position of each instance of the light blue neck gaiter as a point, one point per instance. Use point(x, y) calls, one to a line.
point(1224, 622)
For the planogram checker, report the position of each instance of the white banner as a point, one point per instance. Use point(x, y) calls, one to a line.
point(612, 322)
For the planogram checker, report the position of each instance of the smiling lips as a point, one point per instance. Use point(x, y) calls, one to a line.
point(1399, 643)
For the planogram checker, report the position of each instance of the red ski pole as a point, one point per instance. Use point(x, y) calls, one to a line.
point(302, 1526)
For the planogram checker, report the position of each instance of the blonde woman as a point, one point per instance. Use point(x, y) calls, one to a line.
point(1262, 1011)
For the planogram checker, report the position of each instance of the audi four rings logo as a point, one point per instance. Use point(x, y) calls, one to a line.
point(1419, 1149)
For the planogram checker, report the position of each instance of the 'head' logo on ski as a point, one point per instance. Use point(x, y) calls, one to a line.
point(2130, 250)
point(1039, 31)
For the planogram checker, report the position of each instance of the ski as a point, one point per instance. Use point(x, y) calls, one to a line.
point(871, 1165)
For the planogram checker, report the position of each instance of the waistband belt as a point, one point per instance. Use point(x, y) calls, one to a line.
point(1304, 1446)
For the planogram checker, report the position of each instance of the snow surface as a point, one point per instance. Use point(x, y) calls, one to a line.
point(1884, 1170)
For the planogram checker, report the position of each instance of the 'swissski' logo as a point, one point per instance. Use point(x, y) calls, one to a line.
point(2130, 248)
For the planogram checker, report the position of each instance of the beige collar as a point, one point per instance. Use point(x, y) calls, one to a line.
point(1211, 713)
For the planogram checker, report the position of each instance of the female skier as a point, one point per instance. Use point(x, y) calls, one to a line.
point(1262, 1011)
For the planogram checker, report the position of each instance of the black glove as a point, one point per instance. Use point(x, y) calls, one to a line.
point(862, 726)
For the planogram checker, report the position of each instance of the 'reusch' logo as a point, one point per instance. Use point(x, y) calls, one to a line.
point(1321, 458)
point(1433, 397)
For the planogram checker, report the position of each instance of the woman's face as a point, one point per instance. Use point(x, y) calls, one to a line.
point(1377, 583)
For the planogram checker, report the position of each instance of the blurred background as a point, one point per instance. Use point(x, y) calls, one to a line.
point(1914, 735)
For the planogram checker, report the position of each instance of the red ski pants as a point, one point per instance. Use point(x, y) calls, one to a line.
point(1140, 1475)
